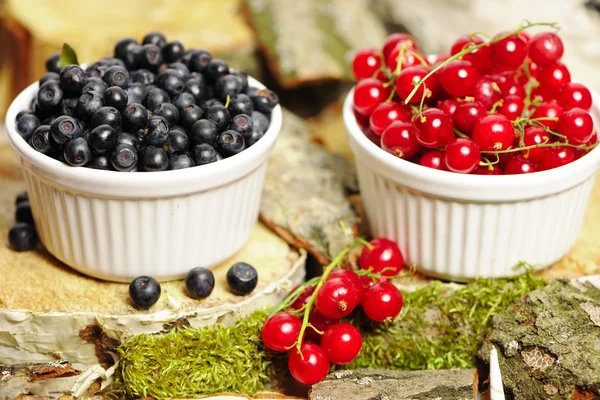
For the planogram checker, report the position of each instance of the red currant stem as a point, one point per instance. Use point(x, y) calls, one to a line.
point(294, 295)
point(388, 84)
point(473, 48)
point(418, 57)
point(528, 90)
point(487, 163)
point(391, 96)
point(496, 105)
point(315, 328)
point(400, 59)
point(227, 102)
point(423, 98)
point(535, 146)
point(364, 243)
point(460, 134)
point(544, 127)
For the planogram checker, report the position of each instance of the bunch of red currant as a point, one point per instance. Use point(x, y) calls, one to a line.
point(307, 324)
point(502, 106)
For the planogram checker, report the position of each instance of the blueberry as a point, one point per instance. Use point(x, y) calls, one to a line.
point(142, 76)
point(116, 76)
point(27, 124)
point(183, 100)
point(23, 213)
point(128, 138)
point(40, 140)
point(199, 60)
point(264, 100)
point(72, 79)
point(204, 131)
point(99, 162)
point(144, 291)
point(94, 84)
point(170, 81)
point(243, 78)
point(116, 97)
point(240, 104)
point(219, 115)
point(49, 95)
point(230, 143)
point(173, 51)
point(126, 49)
point(49, 76)
point(157, 131)
point(22, 237)
point(155, 38)
point(169, 112)
point(49, 120)
point(63, 129)
point(149, 57)
point(112, 61)
point(242, 278)
point(96, 70)
point(21, 197)
point(189, 115)
point(180, 161)
point(135, 93)
point(53, 63)
point(216, 69)
point(69, 107)
point(243, 124)
point(211, 102)
point(77, 152)
point(177, 142)
point(205, 154)
point(261, 121)
point(154, 159)
point(123, 157)
point(102, 138)
point(107, 115)
point(199, 282)
point(88, 104)
point(196, 76)
point(23, 112)
point(180, 67)
point(134, 117)
point(197, 89)
point(228, 85)
point(254, 137)
point(155, 98)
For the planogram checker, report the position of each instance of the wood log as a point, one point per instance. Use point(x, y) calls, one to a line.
point(21, 379)
point(395, 385)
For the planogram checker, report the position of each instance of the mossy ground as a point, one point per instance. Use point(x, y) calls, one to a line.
point(439, 328)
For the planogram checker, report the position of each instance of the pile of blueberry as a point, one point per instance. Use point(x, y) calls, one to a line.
point(153, 106)
point(242, 278)
point(22, 236)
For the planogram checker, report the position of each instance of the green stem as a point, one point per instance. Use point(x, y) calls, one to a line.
point(294, 295)
point(535, 146)
point(460, 134)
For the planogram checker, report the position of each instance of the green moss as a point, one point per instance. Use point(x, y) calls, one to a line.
point(439, 328)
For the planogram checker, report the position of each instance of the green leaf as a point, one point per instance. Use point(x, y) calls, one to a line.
point(68, 56)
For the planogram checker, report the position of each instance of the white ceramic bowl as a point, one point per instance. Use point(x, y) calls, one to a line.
point(118, 225)
point(459, 227)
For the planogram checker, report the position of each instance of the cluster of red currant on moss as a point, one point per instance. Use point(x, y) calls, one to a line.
point(502, 106)
point(309, 323)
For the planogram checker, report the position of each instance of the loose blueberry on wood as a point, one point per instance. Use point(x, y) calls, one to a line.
point(21, 197)
point(199, 282)
point(22, 237)
point(23, 213)
point(242, 278)
point(144, 291)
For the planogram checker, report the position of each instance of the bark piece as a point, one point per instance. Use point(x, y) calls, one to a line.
point(19, 379)
point(312, 40)
point(306, 193)
point(391, 385)
point(548, 343)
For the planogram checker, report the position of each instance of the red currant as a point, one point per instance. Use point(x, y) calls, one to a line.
point(337, 298)
point(494, 132)
point(545, 49)
point(573, 95)
point(591, 142)
point(281, 331)
point(408, 76)
point(554, 76)
point(366, 63)
point(494, 169)
point(557, 157)
point(462, 155)
point(535, 135)
point(383, 254)
point(367, 282)
point(399, 139)
point(368, 94)
point(436, 59)
point(487, 92)
point(433, 159)
point(351, 276)
point(311, 366)
point(320, 322)
point(303, 298)
point(459, 78)
point(433, 128)
point(509, 53)
point(512, 107)
point(448, 106)
point(466, 115)
point(479, 58)
point(525, 36)
point(385, 114)
point(395, 39)
point(509, 85)
point(577, 125)
point(519, 165)
point(548, 110)
point(341, 343)
point(383, 301)
point(373, 137)
point(409, 59)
